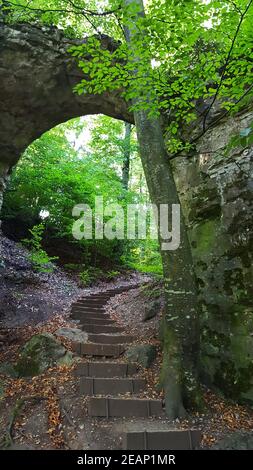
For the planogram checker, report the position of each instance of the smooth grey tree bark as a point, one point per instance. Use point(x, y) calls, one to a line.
point(179, 375)
point(127, 155)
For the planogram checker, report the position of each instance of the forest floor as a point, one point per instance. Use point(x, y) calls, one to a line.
point(47, 411)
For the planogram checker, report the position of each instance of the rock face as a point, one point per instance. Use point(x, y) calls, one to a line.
point(216, 192)
point(152, 310)
point(73, 334)
point(144, 354)
point(37, 76)
point(39, 353)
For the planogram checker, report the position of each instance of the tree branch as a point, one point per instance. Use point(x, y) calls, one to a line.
point(214, 123)
point(226, 63)
point(76, 11)
point(94, 13)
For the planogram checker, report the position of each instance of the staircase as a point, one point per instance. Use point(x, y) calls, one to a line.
point(113, 386)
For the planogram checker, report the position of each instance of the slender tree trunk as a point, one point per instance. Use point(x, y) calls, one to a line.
point(179, 375)
point(127, 155)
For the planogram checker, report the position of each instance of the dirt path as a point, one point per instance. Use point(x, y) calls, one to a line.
point(53, 414)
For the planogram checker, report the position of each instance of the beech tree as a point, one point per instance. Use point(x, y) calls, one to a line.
point(164, 62)
point(179, 375)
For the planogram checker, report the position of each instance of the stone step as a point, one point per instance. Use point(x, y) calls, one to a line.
point(95, 297)
point(94, 321)
point(86, 308)
point(106, 369)
point(99, 300)
point(110, 339)
point(162, 440)
point(123, 407)
point(97, 329)
point(89, 320)
point(110, 386)
point(90, 301)
point(95, 303)
point(96, 349)
point(84, 315)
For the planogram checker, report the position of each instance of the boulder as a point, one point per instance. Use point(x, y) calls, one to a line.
point(73, 334)
point(144, 354)
point(151, 310)
point(39, 353)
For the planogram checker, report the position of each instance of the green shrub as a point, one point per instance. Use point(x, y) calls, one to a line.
point(40, 260)
point(85, 277)
point(112, 274)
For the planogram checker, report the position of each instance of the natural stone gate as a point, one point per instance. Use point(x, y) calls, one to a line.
point(37, 76)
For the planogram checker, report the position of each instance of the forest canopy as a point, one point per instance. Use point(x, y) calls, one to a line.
point(201, 52)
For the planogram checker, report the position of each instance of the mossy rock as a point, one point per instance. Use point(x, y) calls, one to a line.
point(151, 310)
point(144, 354)
point(239, 440)
point(8, 369)
point(39, 353)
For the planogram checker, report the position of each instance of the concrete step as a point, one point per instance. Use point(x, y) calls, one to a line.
point(106, 369)
point(162, 440)
point(110, 386)
point(96, 349)
point(97, 329)
point(110, 339)
point(123, 407)
point(94, 321)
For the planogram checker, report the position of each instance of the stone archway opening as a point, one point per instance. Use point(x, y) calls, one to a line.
point(37, 78)
point(33, 193)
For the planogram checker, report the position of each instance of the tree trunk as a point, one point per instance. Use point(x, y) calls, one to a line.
point(127, 155)
point(179, 375)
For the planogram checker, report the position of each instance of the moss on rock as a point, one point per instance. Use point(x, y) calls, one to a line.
point(39, 353)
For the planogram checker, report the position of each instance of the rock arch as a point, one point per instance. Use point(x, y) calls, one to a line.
point(37, 76)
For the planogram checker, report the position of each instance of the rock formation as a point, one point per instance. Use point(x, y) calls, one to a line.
point(37, 77)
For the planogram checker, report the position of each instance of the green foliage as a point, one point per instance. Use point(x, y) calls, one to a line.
point(85, 278)
point(243, 139)
point(112, 274)
point(90, 276)
point(198, 49)
point(201, 52)
point(38, 257)
point(71, 165)
point(144, 256)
